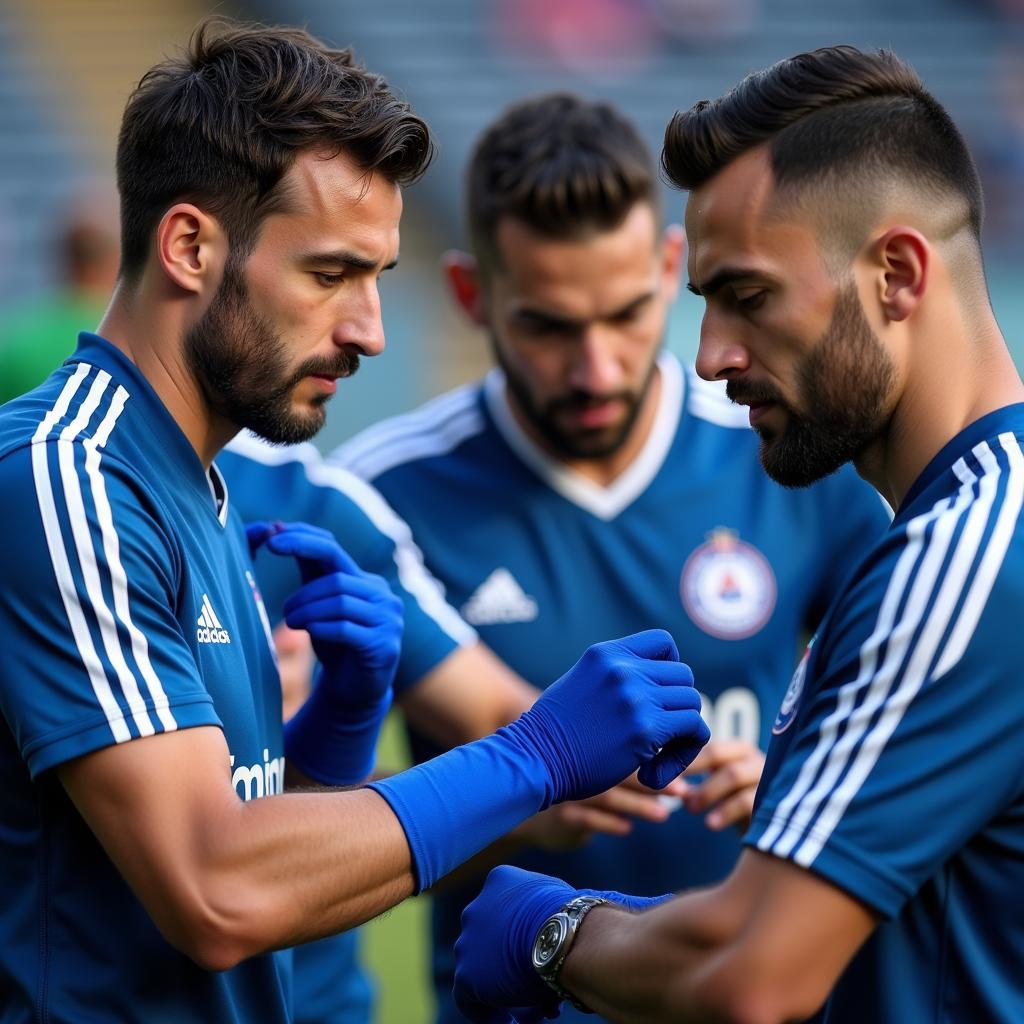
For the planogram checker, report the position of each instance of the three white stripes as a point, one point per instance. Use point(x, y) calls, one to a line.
point(908, 674)
point(71, 486)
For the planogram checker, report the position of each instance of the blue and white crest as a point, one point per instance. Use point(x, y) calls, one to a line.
point(791, 698)
point(728, 587)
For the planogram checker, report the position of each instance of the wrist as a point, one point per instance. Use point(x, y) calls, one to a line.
point(576, 970)
point(556, 939)
point(334, 743)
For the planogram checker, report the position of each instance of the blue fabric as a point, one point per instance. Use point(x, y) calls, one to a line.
point(625, 704)
point(737, 569)
point(294, 484)
point(897, 770)
point(127, 607)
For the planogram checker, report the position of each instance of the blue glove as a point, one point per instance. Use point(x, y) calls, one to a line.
point(624, 703)
point(494, 977)
point(355, 622)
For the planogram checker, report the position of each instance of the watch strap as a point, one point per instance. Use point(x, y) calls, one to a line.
point(555, 940)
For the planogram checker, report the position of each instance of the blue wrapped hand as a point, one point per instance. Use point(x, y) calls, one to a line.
point(355, 623)
point(625, 703)
point(495, 982)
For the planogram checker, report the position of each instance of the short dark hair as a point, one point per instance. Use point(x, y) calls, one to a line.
point(563, 165)
point(222, 123)
point(832, 113)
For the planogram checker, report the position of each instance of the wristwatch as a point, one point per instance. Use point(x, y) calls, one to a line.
point(555, 939)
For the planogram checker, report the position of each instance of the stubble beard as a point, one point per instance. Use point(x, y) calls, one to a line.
point(845, 381)
point(240, 363)
point(576, 444)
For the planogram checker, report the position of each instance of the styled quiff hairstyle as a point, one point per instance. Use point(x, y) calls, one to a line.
point(564, 166)
point(837, 117)
point(221, 124)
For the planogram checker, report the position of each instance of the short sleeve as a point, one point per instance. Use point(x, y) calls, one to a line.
point(380, 541)
point(903, 745)
point(92, 652)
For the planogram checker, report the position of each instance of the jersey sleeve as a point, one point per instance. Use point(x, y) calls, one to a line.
point(904, 745)
point(92, 653)
point(852, 517)
point(306, 488)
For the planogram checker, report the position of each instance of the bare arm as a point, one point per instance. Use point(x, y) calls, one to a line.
point(225, 879)
point(764, 947)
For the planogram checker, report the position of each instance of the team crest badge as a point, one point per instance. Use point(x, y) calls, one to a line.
point(728, 587)
point(791, 698)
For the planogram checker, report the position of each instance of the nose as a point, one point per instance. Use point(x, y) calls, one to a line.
point(595, 367)
point(360, 325)
point(721, 353)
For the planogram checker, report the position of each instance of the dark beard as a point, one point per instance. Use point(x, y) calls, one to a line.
point(240, 364)
point(845, 382)
point(577, 444)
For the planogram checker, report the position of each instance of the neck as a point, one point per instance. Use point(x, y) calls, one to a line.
point(150, 333)
point(953, 385)
point(606, 469)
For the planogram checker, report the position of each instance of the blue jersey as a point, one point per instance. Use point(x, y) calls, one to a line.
point(127, 607)
point(897, 769)
point(693, 537)
point(291, 484)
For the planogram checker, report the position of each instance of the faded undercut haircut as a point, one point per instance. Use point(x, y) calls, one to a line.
point(221, 124)
point(847, 121)
point(564, 166)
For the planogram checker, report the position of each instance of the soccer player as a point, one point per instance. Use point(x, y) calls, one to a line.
point(152, 862)
point(591, 484)
point(834, 218)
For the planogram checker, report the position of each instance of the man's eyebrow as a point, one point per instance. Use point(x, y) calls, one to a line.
point(540, 316)
point(342, 257)
point(725, 276)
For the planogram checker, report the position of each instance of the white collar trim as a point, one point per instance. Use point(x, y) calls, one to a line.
point(603, 502)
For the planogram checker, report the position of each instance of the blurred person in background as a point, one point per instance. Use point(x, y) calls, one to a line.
point(145, 762)
point(835, 218)
point(590, 483)
point(440, 654)
point(38, 336)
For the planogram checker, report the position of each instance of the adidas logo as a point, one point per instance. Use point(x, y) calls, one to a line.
point(210, 630)
point(499, 599)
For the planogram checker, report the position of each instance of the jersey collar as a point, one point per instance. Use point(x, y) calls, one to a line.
point(97, 351)
point(603, 502)
point(1010, 419)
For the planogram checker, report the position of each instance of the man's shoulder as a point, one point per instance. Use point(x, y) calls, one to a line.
point(296, 482)
point(438, 428)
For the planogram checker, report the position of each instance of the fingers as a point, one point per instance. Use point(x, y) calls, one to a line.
point(632, 803)
point(688, 733)
point(677, 787)
point(316, 551)
point(733, 772)
point(586, 820)
point(655, 644)
point(256, 534)
point(367, 611)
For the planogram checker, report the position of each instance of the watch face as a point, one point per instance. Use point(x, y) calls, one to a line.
point(549, 941)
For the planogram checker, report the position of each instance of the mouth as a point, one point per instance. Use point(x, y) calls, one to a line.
point(758, 410)
point(594, 415)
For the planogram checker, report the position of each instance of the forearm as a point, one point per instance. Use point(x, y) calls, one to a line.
point(300, 866)
point(655, 966)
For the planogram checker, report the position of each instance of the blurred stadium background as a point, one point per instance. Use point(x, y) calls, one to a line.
point(67, 67)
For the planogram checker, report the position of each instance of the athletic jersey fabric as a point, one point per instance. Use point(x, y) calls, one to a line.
point(896, 768)
point(128, 607)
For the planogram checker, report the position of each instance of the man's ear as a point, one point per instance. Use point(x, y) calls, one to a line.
point(673, 255)
point(904, 256)
point(463, 277)
point(191, 248)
